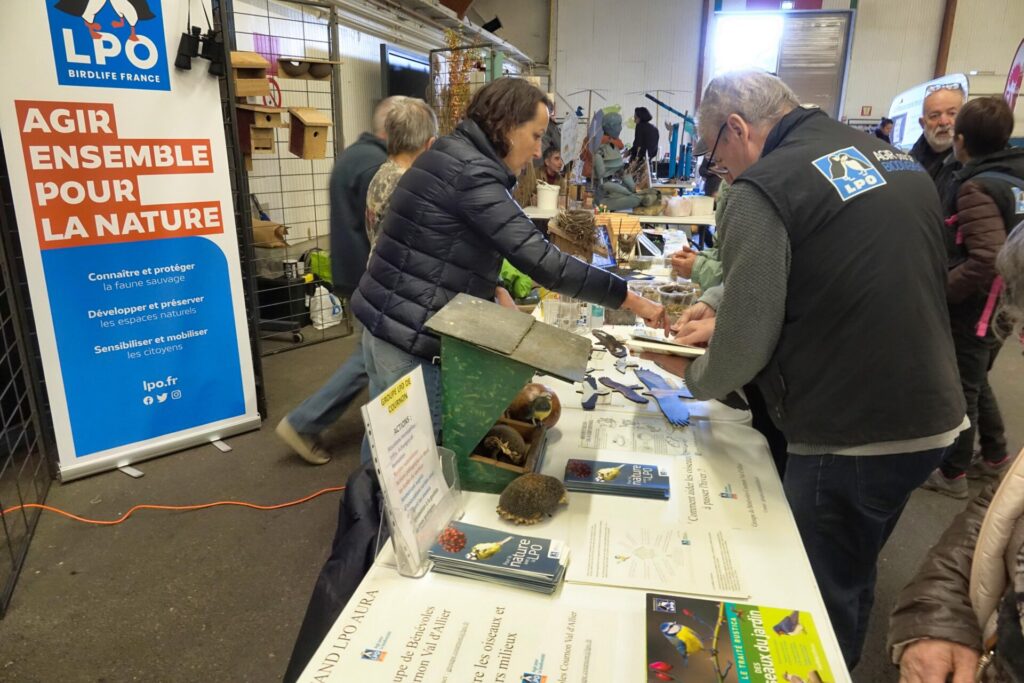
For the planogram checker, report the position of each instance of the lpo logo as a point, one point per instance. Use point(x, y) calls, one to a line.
point(109, 43)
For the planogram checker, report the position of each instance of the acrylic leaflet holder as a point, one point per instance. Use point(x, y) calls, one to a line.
point(419, 480)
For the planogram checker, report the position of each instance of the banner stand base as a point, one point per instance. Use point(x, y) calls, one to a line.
point(164, 447)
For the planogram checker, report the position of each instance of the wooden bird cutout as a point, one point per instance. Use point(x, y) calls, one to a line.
point(669, 399)
point(624, 364)
point(590, 391)
point(610, 343)
point(627, 391)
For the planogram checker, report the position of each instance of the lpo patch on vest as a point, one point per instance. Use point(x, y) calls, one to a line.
point(849, 171)
point(1018, 199)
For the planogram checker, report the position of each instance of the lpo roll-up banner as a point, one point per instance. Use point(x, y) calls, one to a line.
point(119, 174)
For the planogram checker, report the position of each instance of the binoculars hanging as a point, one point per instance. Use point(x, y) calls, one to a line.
point(195, 43)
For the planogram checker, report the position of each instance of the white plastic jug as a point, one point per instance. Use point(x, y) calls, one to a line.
point(324, 309)
point(547, 196)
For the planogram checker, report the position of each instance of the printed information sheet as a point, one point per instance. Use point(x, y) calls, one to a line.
point(418, 500)
point(454, 636)
point(629, 433)
point(688, 560)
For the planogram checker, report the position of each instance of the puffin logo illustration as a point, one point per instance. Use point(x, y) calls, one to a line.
point(849, 171)
point(109, 43)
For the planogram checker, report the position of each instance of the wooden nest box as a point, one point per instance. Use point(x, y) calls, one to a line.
point(249, 71)
point(308, 138)
point(256, 126)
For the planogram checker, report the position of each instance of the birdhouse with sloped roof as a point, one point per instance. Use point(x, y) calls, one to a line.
point(249, 72)
point(488, 353)
point(309, 128)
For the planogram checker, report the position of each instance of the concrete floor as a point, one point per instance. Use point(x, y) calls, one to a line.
point(218, 595)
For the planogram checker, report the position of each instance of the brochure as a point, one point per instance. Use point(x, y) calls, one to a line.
point(478, 552)
point(616, 478)
point(703, 641)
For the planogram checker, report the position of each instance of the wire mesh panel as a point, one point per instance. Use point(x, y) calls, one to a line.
point(24, 471)
point(290, 264)
point(455, 75)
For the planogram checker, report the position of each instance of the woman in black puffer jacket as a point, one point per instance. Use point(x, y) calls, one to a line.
point(645, 137)
point(450, 223)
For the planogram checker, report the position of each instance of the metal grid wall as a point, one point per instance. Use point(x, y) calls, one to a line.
point(25, 474)
point(222, 17)
point(290, 190)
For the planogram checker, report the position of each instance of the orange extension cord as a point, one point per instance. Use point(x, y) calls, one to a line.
point(179, 508)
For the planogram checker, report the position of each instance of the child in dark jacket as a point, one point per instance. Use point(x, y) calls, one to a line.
point(987, 203)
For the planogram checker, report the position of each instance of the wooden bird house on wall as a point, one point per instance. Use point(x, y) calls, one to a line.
point(256, 126)
point(309, 127)
point(249, 71)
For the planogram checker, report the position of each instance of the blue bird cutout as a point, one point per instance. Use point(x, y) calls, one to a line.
point(669, 399)
point(628, 391)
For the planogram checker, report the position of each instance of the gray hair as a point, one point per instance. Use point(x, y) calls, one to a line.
point(1009, 318)
point(409, 125)
point(381, 111)
point(757, 96)
point(945, 87)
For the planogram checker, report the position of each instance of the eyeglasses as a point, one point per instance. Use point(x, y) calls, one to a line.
point(713, 165)
point(943, 86)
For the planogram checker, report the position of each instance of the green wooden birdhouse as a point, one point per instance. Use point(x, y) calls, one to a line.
point(488, 353)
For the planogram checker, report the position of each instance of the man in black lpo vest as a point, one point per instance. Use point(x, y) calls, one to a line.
point(834, 302)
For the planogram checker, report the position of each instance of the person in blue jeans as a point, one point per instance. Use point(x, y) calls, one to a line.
point(350, 248)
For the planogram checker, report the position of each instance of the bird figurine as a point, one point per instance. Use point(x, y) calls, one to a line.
point(628, 391)
point(669, 399)
point(485, 551)
point(536, 404)
point(590, 392)
point(530, 498)
point(608, 473)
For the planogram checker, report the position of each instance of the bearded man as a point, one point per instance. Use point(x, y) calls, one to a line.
point(934, 149)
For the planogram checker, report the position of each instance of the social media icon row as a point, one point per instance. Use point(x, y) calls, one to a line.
point(161, 398)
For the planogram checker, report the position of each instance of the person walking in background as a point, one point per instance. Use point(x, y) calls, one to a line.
point(411, 128)
point(988, 202)
point(645, 137)
point(933, 149)
point(815, 226)
point(883, 131)
point(350, 248)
